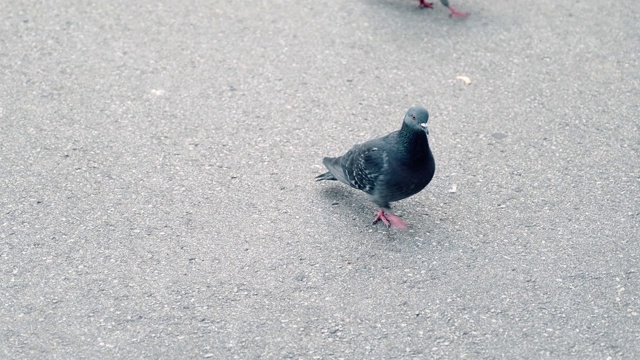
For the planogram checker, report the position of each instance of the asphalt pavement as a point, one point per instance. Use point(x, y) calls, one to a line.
point(157, 198)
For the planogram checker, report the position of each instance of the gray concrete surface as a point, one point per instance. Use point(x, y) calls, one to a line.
point(157, 196)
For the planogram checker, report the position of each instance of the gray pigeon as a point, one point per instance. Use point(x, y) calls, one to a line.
point(389, 168)
point(454, 12)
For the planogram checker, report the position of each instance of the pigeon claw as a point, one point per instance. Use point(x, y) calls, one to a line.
point(380, 217)
point(424, 4)
point(389, 219)
point(457, 14)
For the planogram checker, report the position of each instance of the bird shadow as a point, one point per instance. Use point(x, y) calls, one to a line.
point(339, 195)
point(357, 206)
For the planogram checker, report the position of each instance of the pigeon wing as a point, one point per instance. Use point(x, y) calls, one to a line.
point(361, 167)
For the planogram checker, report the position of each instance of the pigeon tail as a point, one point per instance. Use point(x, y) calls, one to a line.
point(326, 176)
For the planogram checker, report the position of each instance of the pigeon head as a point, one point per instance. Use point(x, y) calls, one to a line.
point(416, 118)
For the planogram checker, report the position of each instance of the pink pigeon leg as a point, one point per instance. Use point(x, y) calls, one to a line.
point(380, 217)
point(457, 14)
point(389, 219)
point(424, 4)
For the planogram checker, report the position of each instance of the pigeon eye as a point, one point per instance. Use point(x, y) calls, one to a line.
point(413, 117)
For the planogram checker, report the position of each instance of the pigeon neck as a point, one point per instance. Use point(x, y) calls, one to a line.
point(414, 141)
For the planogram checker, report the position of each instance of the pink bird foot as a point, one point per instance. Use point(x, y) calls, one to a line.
point(389, 219)
point(457, 14)
point(424, 4)
point(454, 13)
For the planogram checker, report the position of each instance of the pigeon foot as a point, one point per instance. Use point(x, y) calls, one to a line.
point(424, 4)
point(457, 14)
point(389, 219)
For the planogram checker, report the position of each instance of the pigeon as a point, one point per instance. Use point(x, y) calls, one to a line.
point(454, 12)
point(389, 168)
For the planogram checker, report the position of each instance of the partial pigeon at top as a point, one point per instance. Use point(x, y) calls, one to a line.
point(454, 12)
point(389, 168)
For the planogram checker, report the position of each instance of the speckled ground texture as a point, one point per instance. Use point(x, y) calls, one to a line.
point(157, 196)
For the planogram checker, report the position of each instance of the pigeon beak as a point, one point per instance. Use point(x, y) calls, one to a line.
point(426, 129)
